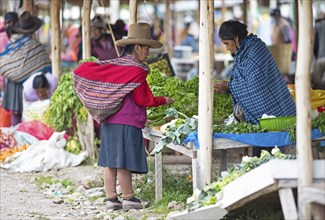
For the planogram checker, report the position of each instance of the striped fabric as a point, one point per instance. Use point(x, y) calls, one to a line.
point(101, 86)
point(20, 63)
point(256, 83)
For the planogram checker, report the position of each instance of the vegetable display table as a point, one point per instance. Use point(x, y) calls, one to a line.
point(222, 144)
point(189, 150)
point(267, 178)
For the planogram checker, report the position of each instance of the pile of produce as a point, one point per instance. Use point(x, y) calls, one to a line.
point(318, 122)
point(186, 98)
point(186, 105)
point(65, 104)
point(212, 192)
point(163, 67)
point(8, 146)
point(176, 130)
point(73, 145)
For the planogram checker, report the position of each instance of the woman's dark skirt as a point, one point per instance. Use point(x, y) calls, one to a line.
point(122, 147)
point(13, 97)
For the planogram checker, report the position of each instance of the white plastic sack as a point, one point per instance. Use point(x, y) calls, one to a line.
point(43, 156)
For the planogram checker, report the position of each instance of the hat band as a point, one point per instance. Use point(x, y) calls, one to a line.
point(138, 38)
point(27, 25)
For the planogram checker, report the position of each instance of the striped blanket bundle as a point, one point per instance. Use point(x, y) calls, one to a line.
point(101, 86)
point(22, 57)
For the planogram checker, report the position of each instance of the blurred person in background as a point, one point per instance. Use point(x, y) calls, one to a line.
point(22, 57)
point(119, 29)
point(6, 28)
point(187, 22)
point(5, 33)
point(192, 37)
point(102, 45)
point(280, 28)
point(318, 68)
point(37, 92)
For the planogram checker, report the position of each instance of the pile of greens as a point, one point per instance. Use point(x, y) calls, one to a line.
point(186, 98)
point(64, 103)
point(318, 122)
point(209, 194)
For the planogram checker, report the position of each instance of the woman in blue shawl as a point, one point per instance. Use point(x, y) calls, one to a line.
point(256, 84)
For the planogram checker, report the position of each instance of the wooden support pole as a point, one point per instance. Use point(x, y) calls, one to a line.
point(223, 10)
point(206, 58)
point(302, 78)
point(133, 10)
point(167, 28)
point(158, 175)
point(245, 11)
point(86, 129)
point(56, 42)
point(288, 204)
point(86, 50)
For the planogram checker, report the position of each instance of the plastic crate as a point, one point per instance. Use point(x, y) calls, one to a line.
point(278, 123)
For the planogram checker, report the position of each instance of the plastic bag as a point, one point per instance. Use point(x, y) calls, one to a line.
point(37, 129)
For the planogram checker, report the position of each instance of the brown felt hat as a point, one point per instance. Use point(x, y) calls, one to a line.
point(139, 33)
point(27, 23)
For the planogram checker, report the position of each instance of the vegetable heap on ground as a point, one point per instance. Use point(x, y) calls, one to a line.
point(8, 146)
point(210, 193)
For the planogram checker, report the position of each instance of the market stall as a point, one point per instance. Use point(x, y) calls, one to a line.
point(222, 143)
point(251, 186)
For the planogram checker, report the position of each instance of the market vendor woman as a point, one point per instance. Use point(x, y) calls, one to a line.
point(117, 95)
point(256, 85)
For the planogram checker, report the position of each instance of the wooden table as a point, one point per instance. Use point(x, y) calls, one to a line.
point(189, 150)
point(222, 144)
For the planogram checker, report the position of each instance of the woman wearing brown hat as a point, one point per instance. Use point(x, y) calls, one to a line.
point(22, 57)
point(117, 95)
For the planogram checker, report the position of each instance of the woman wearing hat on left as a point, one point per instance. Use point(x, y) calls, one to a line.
point(116, 93)
point(22, 57)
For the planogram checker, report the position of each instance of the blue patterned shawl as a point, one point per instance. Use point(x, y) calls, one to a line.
point(256, 83)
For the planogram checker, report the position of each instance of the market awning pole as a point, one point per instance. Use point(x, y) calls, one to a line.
point(86, 51)
point(302, 79)
point(223, 10)
point(86, 131)
point(56, 42)
point(206, 58)
point(167, 28)
point(245, 11)
point(133, 10)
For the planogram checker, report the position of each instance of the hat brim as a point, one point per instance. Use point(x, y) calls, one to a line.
point(140, 41)
point(37, 25)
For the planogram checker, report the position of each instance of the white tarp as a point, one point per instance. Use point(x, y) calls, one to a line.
point(43, 156)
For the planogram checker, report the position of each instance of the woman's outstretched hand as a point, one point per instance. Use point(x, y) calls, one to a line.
point(220, 87)
point(169, 101)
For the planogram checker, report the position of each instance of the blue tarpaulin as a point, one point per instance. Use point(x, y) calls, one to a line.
point(265, 139)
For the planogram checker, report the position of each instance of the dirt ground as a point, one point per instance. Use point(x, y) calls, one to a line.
point(21, 198)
